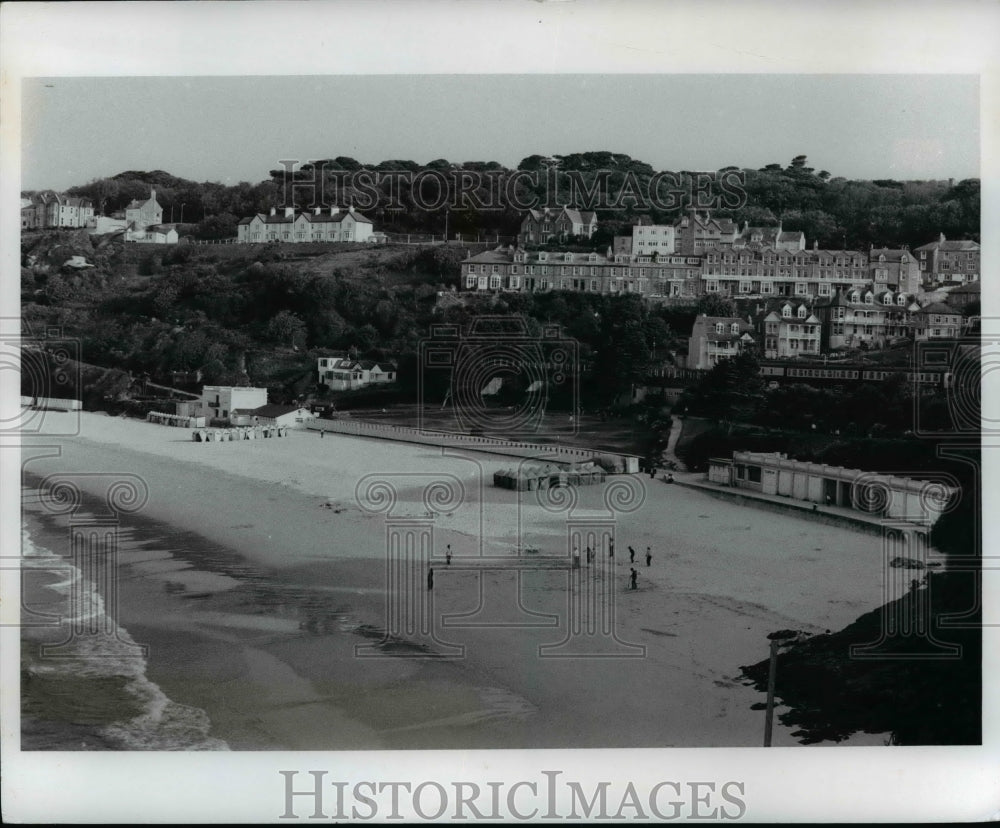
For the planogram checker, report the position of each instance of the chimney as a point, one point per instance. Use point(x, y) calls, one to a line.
point(316, 210)
point(289, 212)
point(273, 211)
point(941, 237)
point(152, 193)
point(815, 244)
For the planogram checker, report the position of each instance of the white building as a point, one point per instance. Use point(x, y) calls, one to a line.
point(652, 238)
point(292, 416)
point(336, 225)
point(218, 401)
point(345, 374)
point(882, 495)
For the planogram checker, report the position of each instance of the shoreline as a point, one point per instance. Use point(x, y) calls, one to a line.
point(308, 581)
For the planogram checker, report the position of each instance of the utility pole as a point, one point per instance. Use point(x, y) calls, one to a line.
point(772, 673)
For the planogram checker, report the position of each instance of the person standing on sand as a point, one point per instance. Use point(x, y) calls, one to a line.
point(589, 553)
point(447, 555)
point(649, 556)
point(430, 579)
point(631, 555)
point(611, 549)
point(633, 578)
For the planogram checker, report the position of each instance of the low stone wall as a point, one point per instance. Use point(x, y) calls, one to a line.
point(625, 463)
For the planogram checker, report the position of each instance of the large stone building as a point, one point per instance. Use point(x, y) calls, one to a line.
point(289, 226)
point(542, 226)
point(949, 261)
point(142, 214)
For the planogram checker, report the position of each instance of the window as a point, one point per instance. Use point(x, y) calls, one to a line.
point(802, 312)
point(786, 312)
point(470, 281)
point(734, 328)
point(869, 299)
point(593, 284)
point(494, 282)
point(887, 299)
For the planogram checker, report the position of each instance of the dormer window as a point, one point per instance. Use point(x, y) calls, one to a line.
point(786, 312)
point(543, 257)
point(720, 327)
point(901, 300)
point(869, 299)
point(855, 296)
point(734, 328)
point(887, 299)
point(802, 311)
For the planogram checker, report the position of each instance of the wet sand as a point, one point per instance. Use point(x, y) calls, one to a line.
point(255, 617)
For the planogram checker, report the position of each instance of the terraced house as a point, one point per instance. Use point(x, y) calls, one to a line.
point(862, 317)
point(760, 269)
point(290, 226)
point(51, 209)
point(519, 270)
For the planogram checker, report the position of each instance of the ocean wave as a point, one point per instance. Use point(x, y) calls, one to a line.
point(107, 651)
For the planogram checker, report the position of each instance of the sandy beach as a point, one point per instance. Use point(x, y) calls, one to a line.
point(252, 573)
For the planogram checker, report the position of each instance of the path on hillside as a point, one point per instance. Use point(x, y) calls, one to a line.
point(668, 455)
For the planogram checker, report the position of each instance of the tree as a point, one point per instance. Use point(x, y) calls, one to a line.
point(714, 305)
point(287, 328)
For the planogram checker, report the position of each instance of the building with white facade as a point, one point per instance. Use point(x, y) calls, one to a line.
point(289, 226)
point(880, 495)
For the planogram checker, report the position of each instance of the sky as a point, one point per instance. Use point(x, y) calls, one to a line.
point(232, 129)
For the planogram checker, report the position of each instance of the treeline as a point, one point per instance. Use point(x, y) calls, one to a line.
point(405, 196)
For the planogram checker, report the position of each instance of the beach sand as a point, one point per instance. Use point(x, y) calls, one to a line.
point(252, 574)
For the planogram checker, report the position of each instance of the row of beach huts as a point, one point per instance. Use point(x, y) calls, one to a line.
point(225, 435)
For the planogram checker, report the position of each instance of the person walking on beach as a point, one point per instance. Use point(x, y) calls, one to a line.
point(430, 579)
point(447, 555)
point(649, 556)
point(631, 555)
point(633, 578)
point(589, 553)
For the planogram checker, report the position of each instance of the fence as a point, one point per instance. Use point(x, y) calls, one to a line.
point(178, 420)
point(52, 403)
point(228, 435)
point(620, 463)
